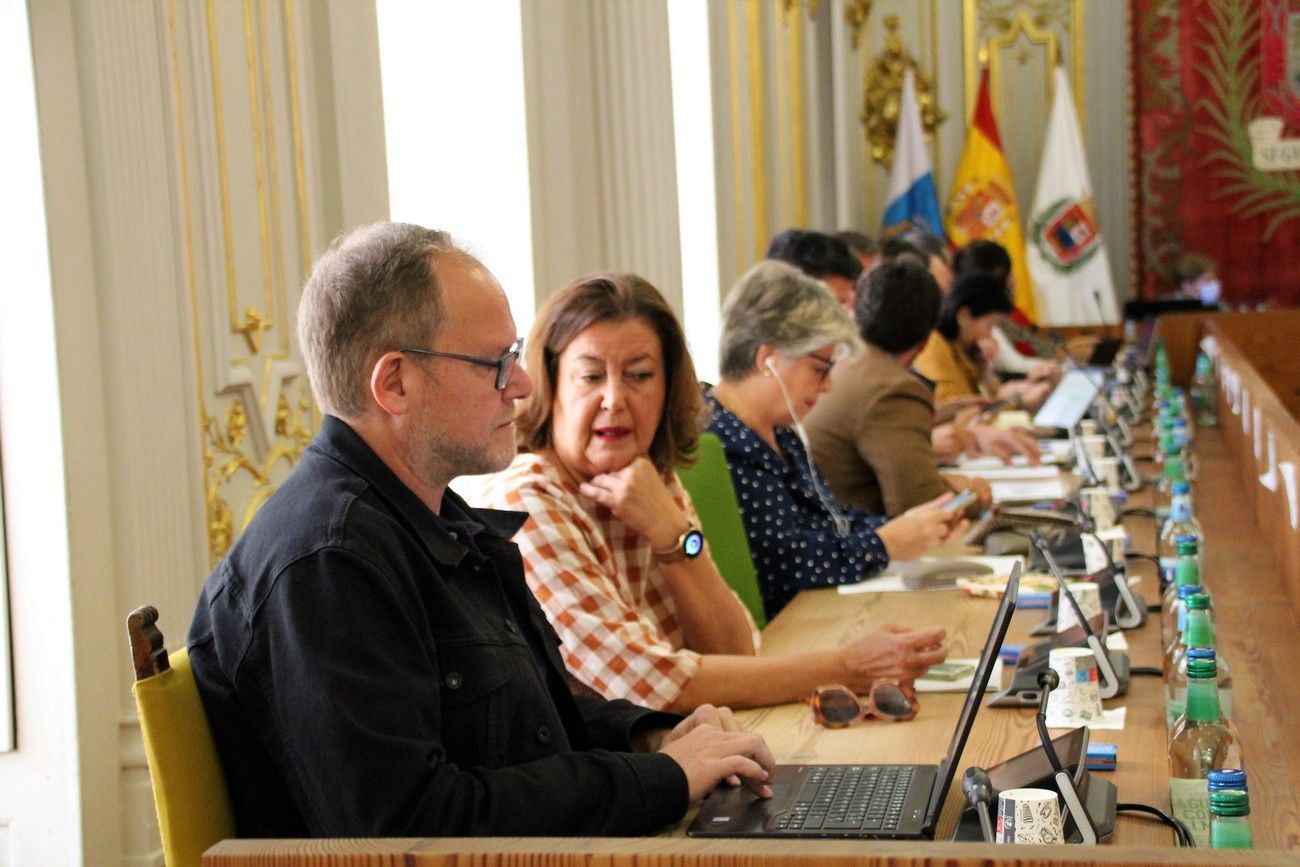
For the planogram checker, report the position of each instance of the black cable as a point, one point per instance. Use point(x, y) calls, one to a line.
point(1137, 510)
point(1139, 556)
point(1181, 831)
point(1145, 670)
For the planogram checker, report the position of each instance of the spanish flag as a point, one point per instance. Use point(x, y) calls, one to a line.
point(983, 201)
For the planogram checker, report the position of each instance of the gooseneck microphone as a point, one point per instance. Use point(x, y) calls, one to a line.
point(1066, 786)
point(977, 788)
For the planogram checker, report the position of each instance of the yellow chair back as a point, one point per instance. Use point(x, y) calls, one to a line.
point(189, 789)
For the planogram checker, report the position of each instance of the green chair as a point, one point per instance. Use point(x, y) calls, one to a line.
point(709, 484)
point(189, 790)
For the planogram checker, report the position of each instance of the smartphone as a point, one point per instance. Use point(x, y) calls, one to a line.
point(959, 503)
point(990, 412)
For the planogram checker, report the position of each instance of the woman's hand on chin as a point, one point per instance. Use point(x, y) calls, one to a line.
point(639, 498)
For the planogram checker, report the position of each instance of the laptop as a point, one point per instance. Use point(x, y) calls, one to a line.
point(856, 801)
point(1104, 352)
point(1069, 401)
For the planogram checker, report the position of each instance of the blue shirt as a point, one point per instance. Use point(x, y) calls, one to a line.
point(792, 535)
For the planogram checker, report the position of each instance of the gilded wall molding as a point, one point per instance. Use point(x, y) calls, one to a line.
point(992, 28)
point(243, 187)
point(882, 87)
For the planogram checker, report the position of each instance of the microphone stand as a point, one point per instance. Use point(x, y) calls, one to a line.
point(1110, 683)
point(1048, 680)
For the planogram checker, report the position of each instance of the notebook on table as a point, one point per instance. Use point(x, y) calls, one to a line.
point(857, 801)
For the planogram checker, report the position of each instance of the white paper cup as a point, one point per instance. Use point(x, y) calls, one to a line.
point(1028, 816)
point(1107, 470)
point(1088, 427)
point(1095, 446)
point(1076, 700)
point(1097, 503)
point(1087, 594)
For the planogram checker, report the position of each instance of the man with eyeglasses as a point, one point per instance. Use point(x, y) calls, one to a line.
point(368, 654)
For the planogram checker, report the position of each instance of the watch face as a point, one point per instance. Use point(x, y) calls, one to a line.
point(693, 544)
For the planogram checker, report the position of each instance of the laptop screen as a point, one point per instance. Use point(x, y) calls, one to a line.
point(979, 682)
point(1070, 400)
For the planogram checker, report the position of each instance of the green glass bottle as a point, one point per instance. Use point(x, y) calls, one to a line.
point(1230, 820)
point(1202, 740)
point(1205, 392)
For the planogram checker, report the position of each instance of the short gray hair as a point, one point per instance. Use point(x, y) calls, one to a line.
point(778, 305)
point(373, 291)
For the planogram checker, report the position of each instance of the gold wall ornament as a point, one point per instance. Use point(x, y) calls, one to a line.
point(992, 28)
point(231, 154)
point(882, 92)
point(787, 6)
point(856, 13)
point(230, 472)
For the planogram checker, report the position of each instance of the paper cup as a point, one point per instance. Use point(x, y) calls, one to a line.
point(1087, 594)
point(1095, 446)
point(1097, 503)
point(1028, 816)
point(1088, 427)
point(1076, 700)
point(1107, 470)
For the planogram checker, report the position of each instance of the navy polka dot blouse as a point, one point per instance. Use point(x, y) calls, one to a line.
point(792, 535)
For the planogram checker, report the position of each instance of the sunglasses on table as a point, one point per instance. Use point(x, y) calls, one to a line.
point(837, 707)
point(504, 365)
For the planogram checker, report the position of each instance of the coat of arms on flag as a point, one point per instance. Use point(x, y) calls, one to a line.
point(1066, 233)
point(981, 208)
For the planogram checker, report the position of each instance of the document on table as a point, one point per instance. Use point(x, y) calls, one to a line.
point(1008, 473)
point(893, 583)
point(1027, 490)
point(961, 684)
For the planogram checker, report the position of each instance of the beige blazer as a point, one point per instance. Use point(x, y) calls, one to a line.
point(870, 435)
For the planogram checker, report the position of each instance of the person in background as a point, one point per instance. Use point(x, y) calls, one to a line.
point(781, 337)
point(871, 434)
point(369, 658)
point(1197, 276)
point(822, 257)
point(937, 255)
point(611, 547)
point(862, 246)
point(951, 359)
point(990, 257)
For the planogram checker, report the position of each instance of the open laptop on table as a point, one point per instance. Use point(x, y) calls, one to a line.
point(857, 801)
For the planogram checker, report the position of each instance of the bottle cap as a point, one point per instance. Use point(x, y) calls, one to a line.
point(1187, 590)
point(1198, 602)
point(1202, 669)
point(1187, 545)
point(1201, 653)
point(1227, 778)
point(1229, 802)
point(1183, 487)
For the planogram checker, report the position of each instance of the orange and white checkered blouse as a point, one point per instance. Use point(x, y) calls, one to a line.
point(599, 584)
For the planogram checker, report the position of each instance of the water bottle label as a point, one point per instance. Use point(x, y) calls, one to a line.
point(1191, 802)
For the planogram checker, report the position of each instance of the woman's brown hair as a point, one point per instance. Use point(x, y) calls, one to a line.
point(613, 298)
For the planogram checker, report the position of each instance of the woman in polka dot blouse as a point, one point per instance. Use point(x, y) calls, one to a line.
point(782, 334)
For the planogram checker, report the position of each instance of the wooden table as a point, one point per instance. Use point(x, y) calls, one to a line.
point(1257, 630)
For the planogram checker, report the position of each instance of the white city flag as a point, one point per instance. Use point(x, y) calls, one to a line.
point(1067, 258)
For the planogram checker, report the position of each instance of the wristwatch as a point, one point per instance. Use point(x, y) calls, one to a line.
point(687, 547)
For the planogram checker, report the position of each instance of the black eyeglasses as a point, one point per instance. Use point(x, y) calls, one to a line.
point(504, 365)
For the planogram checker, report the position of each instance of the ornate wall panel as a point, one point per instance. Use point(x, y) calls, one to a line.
point(236, 90)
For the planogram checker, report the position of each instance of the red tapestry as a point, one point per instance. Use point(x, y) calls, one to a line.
point(1216, 91)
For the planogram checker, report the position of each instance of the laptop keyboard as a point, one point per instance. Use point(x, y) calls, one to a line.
point(848, 798)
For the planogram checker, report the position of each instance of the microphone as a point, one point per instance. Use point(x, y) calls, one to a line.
point(1066, 787)
point(1101, 311)
point(1110, 681)
point(977, 788)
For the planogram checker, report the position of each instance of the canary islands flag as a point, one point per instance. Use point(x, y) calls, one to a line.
point(913, 201)
point(983, 201)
